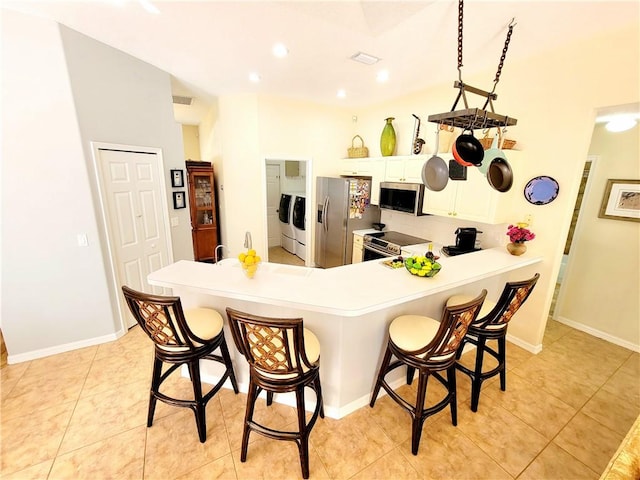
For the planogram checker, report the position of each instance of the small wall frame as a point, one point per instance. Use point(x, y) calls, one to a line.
point(179, 200)
point(621, 200)
point(177, 178)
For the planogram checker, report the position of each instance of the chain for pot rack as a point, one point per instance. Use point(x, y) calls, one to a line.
point(475, 118)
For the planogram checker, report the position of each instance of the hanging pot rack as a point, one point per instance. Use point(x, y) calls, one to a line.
point(475, 118)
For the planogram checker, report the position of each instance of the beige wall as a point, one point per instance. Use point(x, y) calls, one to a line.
point(191, 141)
point(600, 290)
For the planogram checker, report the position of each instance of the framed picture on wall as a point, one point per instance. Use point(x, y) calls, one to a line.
point(177, 178)
point(178, 200)
point(621, 200)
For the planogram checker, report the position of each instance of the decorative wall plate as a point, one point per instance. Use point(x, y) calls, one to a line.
point(541, 190)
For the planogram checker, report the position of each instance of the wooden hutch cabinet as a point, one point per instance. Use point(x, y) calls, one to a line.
point(202, 203)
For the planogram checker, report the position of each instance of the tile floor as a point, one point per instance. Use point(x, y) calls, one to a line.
point(82, 414)
point(280, 255)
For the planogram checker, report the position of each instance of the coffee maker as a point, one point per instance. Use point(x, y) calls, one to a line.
point(465, 241)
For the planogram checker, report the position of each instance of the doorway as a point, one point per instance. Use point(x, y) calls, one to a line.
point(135, 213)
point(584, 182)
point(285, 176)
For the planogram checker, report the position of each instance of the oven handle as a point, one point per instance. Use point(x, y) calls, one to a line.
point(376, 250)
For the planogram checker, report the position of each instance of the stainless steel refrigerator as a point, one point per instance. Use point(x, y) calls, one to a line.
point(343, 206)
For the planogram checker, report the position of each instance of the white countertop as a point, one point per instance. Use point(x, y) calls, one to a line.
point(349, 290)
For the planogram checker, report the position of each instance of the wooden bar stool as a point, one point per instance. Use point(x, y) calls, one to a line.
point(492, 324)
point(424, 344)
point(181, 337)
point(283, 356)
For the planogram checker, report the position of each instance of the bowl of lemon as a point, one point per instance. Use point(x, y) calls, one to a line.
point(422, 266)
point(249, 262)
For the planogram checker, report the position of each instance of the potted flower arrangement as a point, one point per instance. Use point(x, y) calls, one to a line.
point(518, 234)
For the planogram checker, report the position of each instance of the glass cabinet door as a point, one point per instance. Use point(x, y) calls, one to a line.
point(204, 199)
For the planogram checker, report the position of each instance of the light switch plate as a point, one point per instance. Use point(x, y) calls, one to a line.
point(83, 241)
point(174, 221)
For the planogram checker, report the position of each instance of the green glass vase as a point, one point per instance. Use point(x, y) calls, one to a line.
point(388, 138)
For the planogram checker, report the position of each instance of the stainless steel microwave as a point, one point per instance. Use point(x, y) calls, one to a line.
point(402, 197)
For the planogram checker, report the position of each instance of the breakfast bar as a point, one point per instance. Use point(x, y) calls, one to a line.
point(348, 308)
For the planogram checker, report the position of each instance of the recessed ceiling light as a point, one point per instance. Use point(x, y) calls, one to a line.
point(364, 58)
point(280, 51)
point(254, 77)
point(341, 93)
point(383, 76)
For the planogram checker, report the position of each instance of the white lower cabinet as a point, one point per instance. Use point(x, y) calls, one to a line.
point(358, 248)
point(471, 199)
point(366, 167)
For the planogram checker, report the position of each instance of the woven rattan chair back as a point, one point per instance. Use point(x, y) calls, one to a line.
point(272, 346)
point(513, 296)
point(161, 318)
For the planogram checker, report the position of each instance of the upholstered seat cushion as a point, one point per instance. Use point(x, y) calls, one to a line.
point(412, 332)
point(205, 323)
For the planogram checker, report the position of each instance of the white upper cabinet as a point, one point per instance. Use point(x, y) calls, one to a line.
point(405, 169)
point(366, 167)
point(473, 199)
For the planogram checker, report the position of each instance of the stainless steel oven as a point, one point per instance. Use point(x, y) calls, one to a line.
point(371, 252)
point(386, 244)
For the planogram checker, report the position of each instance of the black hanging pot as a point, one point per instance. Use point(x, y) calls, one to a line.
point(500, 175)
point(469, 148)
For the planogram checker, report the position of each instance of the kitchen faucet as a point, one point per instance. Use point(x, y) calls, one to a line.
point(215, 253)
point(247, 240)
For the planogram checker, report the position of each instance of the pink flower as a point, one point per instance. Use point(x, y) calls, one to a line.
point(519, 234)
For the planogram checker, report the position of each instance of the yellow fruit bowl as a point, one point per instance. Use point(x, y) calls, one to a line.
point(249, 261)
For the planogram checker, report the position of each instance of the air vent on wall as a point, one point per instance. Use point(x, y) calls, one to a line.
point(182, 100)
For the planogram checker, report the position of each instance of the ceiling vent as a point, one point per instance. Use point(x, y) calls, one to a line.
point(365, 58)
point(182, 100)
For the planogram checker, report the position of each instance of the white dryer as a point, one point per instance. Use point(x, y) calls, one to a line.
point(299, 225)
point(285, 214)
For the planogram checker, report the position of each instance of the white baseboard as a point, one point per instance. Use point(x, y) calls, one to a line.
point(597, 333)
point(522, 344)
point(67, 347)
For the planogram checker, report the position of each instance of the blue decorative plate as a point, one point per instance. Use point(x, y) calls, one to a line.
point(541, 190)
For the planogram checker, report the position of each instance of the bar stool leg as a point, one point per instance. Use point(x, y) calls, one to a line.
point(383, 370)
point(194, 373)
point(476, 381)
point(453, 401)
point(252, 394)
point(155, 383)
point(502, 358)
point(303, 446)
point(417, 414)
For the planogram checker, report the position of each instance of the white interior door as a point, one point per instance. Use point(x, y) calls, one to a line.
point(273, 202)
point(132, 195)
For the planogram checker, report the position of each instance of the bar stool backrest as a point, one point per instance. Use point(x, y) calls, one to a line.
point(511, 299)
point(162, 319)
point(272, 346)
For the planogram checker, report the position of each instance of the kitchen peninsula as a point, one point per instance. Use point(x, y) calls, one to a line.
point(348, 308)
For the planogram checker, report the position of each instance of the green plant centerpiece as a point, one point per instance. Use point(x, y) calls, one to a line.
point(422, 266)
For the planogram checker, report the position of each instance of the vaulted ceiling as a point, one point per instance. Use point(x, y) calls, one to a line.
point(211, 47)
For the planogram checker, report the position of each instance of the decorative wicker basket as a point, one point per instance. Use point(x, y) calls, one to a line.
point(508, 144)
point(486, 141)
point(357, 152)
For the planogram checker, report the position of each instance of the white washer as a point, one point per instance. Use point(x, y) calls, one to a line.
point(299, 221)
point(285, 214)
